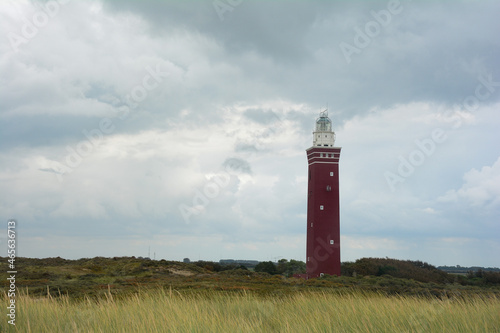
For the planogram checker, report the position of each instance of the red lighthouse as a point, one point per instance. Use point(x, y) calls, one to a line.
point(323, 205)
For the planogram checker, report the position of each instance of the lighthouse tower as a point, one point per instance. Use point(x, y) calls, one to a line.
point(323, 211)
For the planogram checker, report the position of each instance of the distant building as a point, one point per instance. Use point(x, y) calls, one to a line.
point(186, 260)
point(323, 205)
point(246, 263)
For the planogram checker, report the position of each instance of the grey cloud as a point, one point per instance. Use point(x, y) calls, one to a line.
point(262, 116)
point(245, 148)
point(81, 67)
point(237, 165)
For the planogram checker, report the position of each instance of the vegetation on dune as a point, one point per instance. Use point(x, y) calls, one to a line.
point(282, 267)
point(94, 277)
point(416, 270)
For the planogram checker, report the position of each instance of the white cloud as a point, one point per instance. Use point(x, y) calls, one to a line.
point(481, 188)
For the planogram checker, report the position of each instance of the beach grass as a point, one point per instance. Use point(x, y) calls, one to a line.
point(168, 310)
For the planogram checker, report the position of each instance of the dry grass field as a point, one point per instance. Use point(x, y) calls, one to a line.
point(167, 310)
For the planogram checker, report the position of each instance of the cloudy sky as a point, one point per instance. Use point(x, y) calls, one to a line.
point(180, 128)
